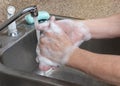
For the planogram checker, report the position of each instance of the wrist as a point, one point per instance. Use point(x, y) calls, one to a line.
point(92, 25)
point(72, 58)
point(85, 31)
point(79, 32)
point(80, 59)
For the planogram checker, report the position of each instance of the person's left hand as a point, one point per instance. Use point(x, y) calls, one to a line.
point(76, 30)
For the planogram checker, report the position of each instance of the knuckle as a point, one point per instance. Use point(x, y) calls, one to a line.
point(48, 33)
point(43, 40)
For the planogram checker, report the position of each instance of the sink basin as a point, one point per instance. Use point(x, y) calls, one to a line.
point(18, 66)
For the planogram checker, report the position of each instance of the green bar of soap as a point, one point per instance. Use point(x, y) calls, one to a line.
point(42, 15)
point(29, 19)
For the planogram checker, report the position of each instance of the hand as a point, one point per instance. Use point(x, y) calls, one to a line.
point(55, 44)
point(44, 63)
point(77, 31)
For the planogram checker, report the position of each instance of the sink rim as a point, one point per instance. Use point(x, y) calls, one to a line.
point(37, 78)
point(29, 76)
point(34, 77)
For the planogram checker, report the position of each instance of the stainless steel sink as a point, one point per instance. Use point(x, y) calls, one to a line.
point(18, 66)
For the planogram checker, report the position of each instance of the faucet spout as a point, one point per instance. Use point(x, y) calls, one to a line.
point(31, 9)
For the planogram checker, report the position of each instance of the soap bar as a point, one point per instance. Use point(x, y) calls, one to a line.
point(42, 15)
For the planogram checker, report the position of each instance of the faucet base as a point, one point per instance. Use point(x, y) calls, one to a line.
point(13, 34)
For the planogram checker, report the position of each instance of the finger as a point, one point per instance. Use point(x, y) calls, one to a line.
point(44, 40)
point(49, 43)
point(65, 24)
point(49, 33)
point(42, 26)
point(52, 19)
point(55, 28)
point(45, 25)
point(44, 51)
point(44, 67)
point(53, 34)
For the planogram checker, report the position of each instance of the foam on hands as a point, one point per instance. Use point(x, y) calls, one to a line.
point(44, 63)
point(54, 28)
point(85, 30)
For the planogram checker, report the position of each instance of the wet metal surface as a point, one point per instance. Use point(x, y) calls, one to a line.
point(18, 64)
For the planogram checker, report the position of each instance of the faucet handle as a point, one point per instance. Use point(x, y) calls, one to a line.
point(12, 29)
point(11, 10)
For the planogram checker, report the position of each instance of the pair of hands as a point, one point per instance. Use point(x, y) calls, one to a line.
point(60, 38)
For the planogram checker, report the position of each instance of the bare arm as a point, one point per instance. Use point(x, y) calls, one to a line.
point(108, 27)
point(105, 67)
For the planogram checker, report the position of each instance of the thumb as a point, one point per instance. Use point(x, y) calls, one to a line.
point(45, 25)
point(42, 26)
point(52, 19)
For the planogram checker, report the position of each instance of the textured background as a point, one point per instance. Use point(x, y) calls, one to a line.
point(74, 8)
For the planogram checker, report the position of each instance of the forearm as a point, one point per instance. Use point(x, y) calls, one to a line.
point(108, 27)
point(105, 67)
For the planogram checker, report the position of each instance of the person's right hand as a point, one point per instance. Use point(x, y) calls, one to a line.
point(55, 44)
point(77, 31)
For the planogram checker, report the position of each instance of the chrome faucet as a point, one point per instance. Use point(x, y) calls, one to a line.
point(31, 9)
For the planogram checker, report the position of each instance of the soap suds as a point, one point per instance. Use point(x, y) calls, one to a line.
point(45, 65)
point(55, 28)
point(85, 31)
point(47, 61)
